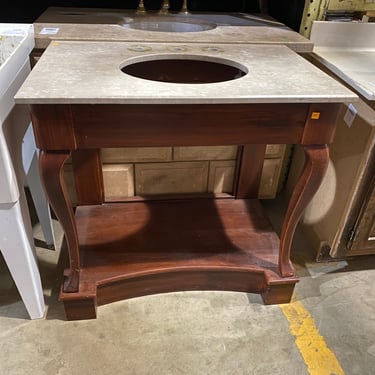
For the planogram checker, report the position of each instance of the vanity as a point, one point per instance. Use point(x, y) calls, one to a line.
point(137, 171)
point(84, 96)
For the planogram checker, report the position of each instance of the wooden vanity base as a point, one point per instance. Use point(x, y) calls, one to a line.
point(139, 248)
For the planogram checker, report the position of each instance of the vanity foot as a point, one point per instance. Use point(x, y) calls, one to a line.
point(276, 294)
point(78, 309)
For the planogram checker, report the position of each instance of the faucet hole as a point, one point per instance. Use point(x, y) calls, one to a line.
point(170, 23)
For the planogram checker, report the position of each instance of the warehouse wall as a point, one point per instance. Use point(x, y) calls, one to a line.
point(28, 11)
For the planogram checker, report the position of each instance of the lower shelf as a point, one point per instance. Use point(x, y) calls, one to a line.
point(140, 248)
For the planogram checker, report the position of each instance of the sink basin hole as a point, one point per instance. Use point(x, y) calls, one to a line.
point(191, 71)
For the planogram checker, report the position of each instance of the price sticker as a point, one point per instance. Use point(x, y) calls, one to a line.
point(350, 114)
point(49, 31)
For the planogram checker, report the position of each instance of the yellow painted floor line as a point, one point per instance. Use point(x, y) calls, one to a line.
point(319, 359)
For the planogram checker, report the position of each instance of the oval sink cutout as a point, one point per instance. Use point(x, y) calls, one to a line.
point(192, 70)
point(166, 24)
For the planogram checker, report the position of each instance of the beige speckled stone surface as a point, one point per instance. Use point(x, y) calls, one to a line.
point(107, 24)
point(224, 34)
point(90, 72)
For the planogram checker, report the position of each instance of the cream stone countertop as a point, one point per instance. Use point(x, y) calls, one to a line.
point(90, 72)
point(108, 25)
point(348, 50)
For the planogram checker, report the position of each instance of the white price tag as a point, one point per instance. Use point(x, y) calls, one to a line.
point(49, 31)
point(350, 115)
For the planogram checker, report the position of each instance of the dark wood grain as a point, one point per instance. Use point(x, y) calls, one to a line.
point(53, 127)
point(123, 250)
point(320, 124)
point(316, 163)
point(187, 125)
point(250, 166)
point(139, 248)
point(88, 176)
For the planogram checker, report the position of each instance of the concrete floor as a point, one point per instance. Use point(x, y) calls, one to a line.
point(199, 332)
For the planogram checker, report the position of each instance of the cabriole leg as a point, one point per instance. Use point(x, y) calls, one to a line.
point(51, 170)
point(316, 163)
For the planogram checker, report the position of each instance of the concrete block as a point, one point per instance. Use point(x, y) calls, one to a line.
point(136, 154)
point(118, 181)
point(275, 151)
point(205, 153)
point(270, 178)
point(221, 176)
point(170, 178)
